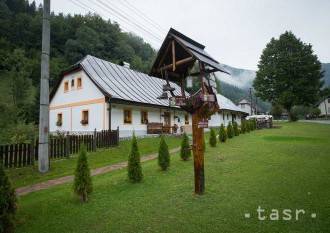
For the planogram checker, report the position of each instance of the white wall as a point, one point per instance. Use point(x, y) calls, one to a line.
point(325, 104)
point(246, 108)
point(221, 118)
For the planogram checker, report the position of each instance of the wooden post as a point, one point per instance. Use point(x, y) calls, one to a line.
point(173, 55)
point(198, 140)
point(67, 146)
point(117, 135)
point(32, 150)
point(94, 141)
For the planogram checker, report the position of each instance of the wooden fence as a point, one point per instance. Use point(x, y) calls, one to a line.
point(24, 154)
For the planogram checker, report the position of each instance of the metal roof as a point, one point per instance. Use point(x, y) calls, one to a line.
point(227, 104)
point(121, 83)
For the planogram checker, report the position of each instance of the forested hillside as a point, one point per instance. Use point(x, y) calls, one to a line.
point(72, 37)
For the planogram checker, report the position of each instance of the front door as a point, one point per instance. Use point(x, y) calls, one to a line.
point(167, 122)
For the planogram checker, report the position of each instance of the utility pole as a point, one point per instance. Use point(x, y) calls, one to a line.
point(43, 160)
point(251, 99)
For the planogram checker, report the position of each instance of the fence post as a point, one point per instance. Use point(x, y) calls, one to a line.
point(32, 151)
point(67, 146)
point(117, 135)
point(94, 141)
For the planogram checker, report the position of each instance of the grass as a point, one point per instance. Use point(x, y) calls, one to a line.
point(102, 157)
point(255, 169)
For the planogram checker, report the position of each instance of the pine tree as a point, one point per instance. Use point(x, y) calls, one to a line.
point(8, 202)
point(222, 133)
point(213, 139)
point(236, 131)
point(82, 177)
point(247, 125)
point(185, 151)
point(134, 165)
point(243, 126)
point(230, 131)
point(251, 125)
point(204, 145)
point(163, 155)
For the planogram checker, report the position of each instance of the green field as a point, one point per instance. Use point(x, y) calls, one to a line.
point(287, 168)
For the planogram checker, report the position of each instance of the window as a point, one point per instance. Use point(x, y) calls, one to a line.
point(59, 119)
point(227, 117)
point(223, 116)
point(84, 117)
point(186, 119)
point(66, 86)
point(328, 101)
point(242, 105)
point(144, 117)
point(127, 116)
point(72, 84)
point(79, 82)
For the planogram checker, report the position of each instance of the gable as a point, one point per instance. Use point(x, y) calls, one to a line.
point(88, 91)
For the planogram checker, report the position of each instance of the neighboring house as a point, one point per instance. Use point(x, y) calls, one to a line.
point(245, 106)
point(228, 112)
point(324, 106)
point(96, 94)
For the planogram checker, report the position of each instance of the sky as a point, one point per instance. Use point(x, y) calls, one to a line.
point(235, 32)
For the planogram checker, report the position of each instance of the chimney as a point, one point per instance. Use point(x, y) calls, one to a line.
point(125, 64)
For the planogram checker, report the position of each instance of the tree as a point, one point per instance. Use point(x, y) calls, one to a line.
point(222, 133)
point(185, 151)
point(289, 73)
point(134, 163)
point(163, 155)
point(230, 131)
point(8, 201)
point(315, 112)
point(236, 131)
point(213, 139)
point(82, 177)
point(276, 110)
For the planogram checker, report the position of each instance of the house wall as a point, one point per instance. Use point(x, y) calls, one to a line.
point(154, 115)
point(221, 118)
point(247, 108)
point(72, 103)
point(324, 106)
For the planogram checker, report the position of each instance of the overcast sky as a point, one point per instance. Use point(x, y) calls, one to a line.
point(234, 31)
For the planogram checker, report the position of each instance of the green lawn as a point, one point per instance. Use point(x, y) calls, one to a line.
point(103, 157)
point(287, 168)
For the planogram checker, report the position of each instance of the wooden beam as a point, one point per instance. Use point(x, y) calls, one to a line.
point(182, 87)
point(160, 64)
point(173, 55)
point(178, 63)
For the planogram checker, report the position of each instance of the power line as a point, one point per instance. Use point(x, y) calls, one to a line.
point(138, 12)
point(89, 9)
point(137, 26)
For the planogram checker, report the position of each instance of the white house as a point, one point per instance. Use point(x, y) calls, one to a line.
point(228, 112)
point(96, 94)
point(324, 106)
point(245, 106)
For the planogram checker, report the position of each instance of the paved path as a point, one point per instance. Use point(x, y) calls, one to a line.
point(316, 121)
point(67, 179)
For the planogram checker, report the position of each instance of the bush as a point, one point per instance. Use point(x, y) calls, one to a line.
point(235, 128)
point(8, 202)
point(213, 139)
point(243, 126)
point(222, 134)
point(185, 151)
point(82, 177)
point(134, 164)
point(230, 131)
point(163, 155)
point(251, 125)
point(247, 126)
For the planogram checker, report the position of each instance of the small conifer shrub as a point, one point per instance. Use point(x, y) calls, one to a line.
point(204, 145)
point(230, 131)
point(82, 177)
point(185, 151)
point(236, 130)
point(163, 155)
point(248, 127)
point(8, 202)
point(134, 164)
point(222, 133)
point(213, 139)
point(243, 126)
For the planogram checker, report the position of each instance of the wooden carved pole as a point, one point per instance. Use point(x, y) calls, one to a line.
point(198, 140)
